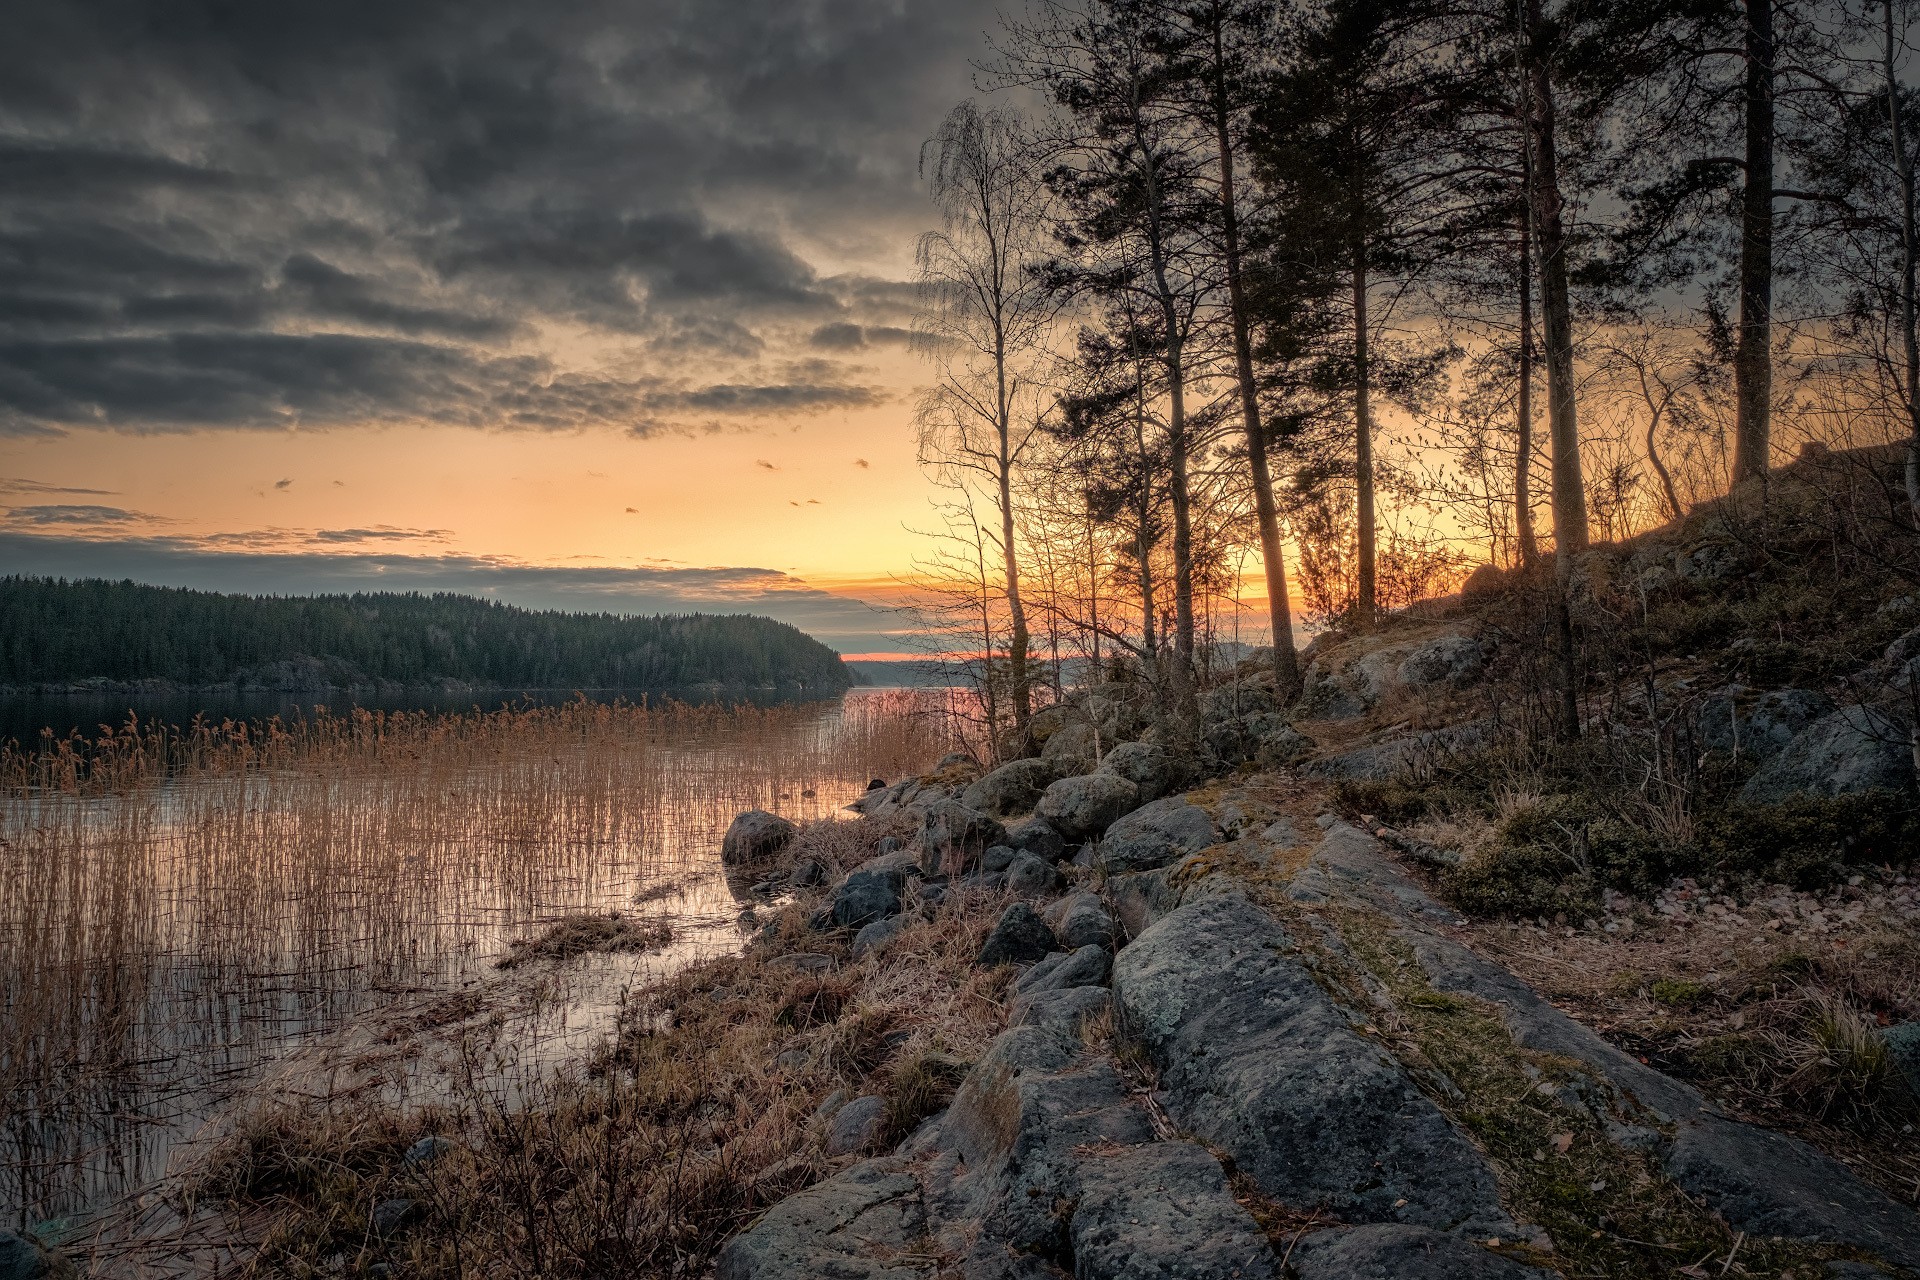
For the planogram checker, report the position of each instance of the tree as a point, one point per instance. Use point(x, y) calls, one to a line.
point(1220, 48)
point(984, 322)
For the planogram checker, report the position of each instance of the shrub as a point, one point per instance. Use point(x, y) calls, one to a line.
point(1807, 840)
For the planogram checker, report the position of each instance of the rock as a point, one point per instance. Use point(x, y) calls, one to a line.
point(953, 836)
point(876, 934)
point(1237, 699)
point(1162, 832)
point(1256, 1060)
point(853, 1227)
point(1145, 764)
point(1081, 920)
point(755, 836)
point(857, 1126)
point(1903, 1045)
point(1020, 937)
point(1037, 836)
point(1276, 743)
point(1853, 750)
point(829, 1107)
point(1082, 807)
point(1164, 1210)
point(998, 858)
point(802, 962)
point(1762, 729)
point(1390, 1252)
point(807, 873)
point(1328, 694)
point(1395, 756)
point(1086, 966)
point(866, 895)
point(1064, 1011)
point(1015, 787)
point(886, 845)
point(1075, 748)
point(1047, 721)
point(953, 758)
point(425, 1152)
point(1452, 661)
point(1020, 1125)
point(391, 1217)
point(23, 1257)
point(1029, 877)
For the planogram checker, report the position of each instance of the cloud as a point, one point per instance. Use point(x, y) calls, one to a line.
point(18, 484)
point(840, 620)
point(74, 515)
point(283, 484)
point(844, 336)
point(415, 210)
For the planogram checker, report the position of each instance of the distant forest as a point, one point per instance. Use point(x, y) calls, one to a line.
point(56, 632)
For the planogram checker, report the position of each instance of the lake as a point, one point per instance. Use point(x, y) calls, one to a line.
point(190, 923)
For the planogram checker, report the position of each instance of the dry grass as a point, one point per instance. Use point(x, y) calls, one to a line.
point(696, 1118)
point(580, 934)
point(177, 905)
point(1775, 1024)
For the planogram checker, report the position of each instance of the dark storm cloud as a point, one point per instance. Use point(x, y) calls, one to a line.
point(249, 215)
point(849, 625)
point(74, 514)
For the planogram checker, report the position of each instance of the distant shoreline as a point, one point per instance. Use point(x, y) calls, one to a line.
point(100, 686)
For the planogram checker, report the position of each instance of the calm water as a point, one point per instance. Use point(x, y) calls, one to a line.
point(24, 715)
point(176, 950)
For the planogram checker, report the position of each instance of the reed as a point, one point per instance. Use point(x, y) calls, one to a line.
point(178, 905)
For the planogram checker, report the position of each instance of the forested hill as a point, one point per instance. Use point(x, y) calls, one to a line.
point(59, 632)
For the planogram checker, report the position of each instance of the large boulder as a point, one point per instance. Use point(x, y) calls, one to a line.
point(1388, 1252)
point(1849, 752)
point(1450, 660)
point(23, 1257)
point(1014, 787)
point(1020, 937)
point(1074, 748)
point(1080, 920)
point(953, 836)
point(1237, 698)
point(1257, 1060)
point(1037, 836)
point(867, 894)
point(1081, 808)
point(1164, 1210)
point(755, 836)
point(1145, 764)
point(1162, 832)
point(1030, 876)
point(1086, 966)
point(1762, 728)
point(860, 1225)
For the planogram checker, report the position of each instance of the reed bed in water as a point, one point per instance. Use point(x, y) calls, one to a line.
point(179, 904)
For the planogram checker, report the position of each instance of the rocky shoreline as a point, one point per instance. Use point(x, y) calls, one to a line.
point(1243, 1039)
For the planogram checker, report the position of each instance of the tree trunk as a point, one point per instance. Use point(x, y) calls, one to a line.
point(1366, 602)
point(1523, 428)
point(1569, 486)
point(1017, 639)
point(1753, 354)
point(1909, 254)
point(1286, 662)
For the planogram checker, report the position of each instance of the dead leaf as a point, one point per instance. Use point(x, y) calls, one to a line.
point(1563, 1142)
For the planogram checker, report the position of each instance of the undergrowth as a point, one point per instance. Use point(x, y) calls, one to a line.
point(1611, 1211)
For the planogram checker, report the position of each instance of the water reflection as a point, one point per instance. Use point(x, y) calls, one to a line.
point(170, 946)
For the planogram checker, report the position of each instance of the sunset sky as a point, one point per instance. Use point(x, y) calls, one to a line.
point(597, 305)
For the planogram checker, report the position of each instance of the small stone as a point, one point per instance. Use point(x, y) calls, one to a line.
point(857, 1126)
point(755, 836)
point(391, 1217)
point(1029, 877)
point(874, 936)
point(1020, 937)
point(426, 1151)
